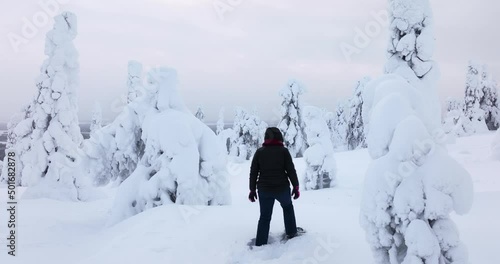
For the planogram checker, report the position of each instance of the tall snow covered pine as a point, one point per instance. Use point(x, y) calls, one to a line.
point(355, 126)
point(50, 163)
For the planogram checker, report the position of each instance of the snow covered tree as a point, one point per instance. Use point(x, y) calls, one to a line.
point(134, 80)
point(291, 120)
point(411, 44)
point(200, 114)
point(330, 123)
point(112, 152)
point(489, 102)
point(321, 167)
point(412, 184)
point(339, 136)
point(473, 89)
point(247, 135)
point(220, 122)
point(410, 49)
point(96, 122)
point(51, 158)
point(472, 101)
point(182, 161)
point(355, 125)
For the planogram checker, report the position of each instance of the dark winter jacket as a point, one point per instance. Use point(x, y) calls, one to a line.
point(272, 166)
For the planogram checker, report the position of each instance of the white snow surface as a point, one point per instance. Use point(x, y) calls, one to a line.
point(62, 232)
point(495, 148)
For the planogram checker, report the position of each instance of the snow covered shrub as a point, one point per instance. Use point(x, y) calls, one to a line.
point(50, 137)
point(321, 168)
point(134, 80)
point(247, 136)
point(412, 184)
point(455, 123)
point(291, 120)
point(355, 125)
point(182, 162)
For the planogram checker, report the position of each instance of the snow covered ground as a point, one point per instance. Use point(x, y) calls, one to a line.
point(65, 232)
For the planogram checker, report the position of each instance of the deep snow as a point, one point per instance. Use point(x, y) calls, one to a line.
point(68, 232)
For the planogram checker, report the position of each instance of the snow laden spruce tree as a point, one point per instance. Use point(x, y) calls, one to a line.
point(112, 152)
point(339, 129)
point(134, 80)
point(472, 100)
point(489, 102)
point(321, 167)
point(412, 184)
point(51, 158)
point(291, 118)
point(355, 127)
point(248, 134)
point(182, 161)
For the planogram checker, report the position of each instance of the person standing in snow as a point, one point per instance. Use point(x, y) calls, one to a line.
point(271, 172)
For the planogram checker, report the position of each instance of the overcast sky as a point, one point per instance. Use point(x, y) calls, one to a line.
point(242, 59)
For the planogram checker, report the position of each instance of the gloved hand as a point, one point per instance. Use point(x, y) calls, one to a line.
point(252, 196)
point(296, 192)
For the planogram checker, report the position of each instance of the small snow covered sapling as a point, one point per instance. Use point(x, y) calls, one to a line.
point(321, 167)
point(247, 134)
point(200, 114)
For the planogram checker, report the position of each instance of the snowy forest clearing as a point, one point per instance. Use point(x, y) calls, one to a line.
point(77, 232)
